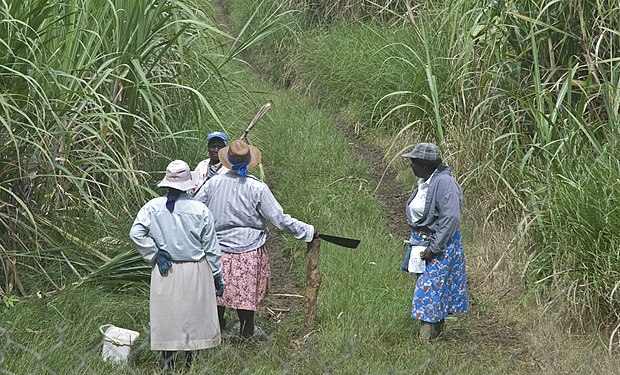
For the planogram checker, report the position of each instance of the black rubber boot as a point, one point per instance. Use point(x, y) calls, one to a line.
point(220, 317)
point(167, 361)
point(436, 329)
point(426, 330)
point(246, 323)
point(189, 358)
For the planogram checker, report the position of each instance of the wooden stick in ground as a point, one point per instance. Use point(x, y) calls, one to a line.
point(313, 282)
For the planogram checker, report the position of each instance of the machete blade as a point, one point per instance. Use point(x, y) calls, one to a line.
point(340, 241)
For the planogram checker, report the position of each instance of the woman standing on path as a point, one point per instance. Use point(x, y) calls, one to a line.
point(242, 205)
point(176, 234)
point(434, 214)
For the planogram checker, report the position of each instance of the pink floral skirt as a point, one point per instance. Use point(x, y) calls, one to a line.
point(247, 279)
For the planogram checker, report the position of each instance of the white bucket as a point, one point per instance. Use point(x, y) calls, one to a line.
point(117, 343)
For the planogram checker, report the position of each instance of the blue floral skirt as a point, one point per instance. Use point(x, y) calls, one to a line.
point(442, 288)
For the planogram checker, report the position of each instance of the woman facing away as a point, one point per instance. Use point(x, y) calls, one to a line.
point(177, 235)
point(434, 214)
point(242, 205)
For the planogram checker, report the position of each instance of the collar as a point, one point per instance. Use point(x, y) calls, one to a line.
point(427, 181)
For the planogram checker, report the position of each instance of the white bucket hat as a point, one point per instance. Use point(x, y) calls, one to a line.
point(178, 176)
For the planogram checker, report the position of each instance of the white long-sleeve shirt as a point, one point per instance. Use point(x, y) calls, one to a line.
point(242, 206)
point(418, 203)
point(187, 234)
point(205, 172)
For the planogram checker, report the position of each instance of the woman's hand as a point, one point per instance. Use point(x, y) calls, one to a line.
point(427, 254)
point(219, 285)
point(316, 235)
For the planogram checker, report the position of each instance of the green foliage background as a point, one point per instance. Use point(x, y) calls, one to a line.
point(98, 96)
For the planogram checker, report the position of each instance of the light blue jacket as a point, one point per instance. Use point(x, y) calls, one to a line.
point(442, 212)
point(187, 234)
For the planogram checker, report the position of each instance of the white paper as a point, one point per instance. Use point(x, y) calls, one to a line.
point(416, 263)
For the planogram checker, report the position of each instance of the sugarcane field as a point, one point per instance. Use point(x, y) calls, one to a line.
point(309, 187)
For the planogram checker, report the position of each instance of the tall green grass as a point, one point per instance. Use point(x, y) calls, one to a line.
point(93, 95)
point(330, 11)
point(537, 93)
point(536, 85)
point(559, 130)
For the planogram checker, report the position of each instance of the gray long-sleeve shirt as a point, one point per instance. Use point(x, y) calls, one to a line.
point(442, 212)
point(242, 206)
point(187, 234)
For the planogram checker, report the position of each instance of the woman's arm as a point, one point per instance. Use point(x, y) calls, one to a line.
point(139, 235)
point(211, 246)
point(271, 210)
point(448, 198)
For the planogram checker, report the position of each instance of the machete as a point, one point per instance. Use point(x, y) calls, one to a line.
point(340, 241)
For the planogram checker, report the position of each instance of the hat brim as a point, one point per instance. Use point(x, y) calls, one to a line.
point(408, 155)
point(183, 186)
point(254, 154)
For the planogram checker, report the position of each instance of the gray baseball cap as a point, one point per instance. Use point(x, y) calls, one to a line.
point(423, 151)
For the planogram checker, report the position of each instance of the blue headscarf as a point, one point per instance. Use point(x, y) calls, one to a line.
point(173, 195)
point(241, 167)
point(163, 258)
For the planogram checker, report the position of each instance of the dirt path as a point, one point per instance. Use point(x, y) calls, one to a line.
point(285, 294)
point(222, 16)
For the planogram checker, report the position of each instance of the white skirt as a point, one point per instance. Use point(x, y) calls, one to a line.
point(183, 308)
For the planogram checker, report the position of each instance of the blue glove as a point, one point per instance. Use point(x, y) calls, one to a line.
point(219, 286)
point(164, 261)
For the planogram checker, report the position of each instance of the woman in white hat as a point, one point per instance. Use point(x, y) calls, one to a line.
point(242, 205)
point(434, 214)
point(176, 234)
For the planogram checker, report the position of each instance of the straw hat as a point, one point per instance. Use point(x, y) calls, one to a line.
point(238, 151)
point(178, 176)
